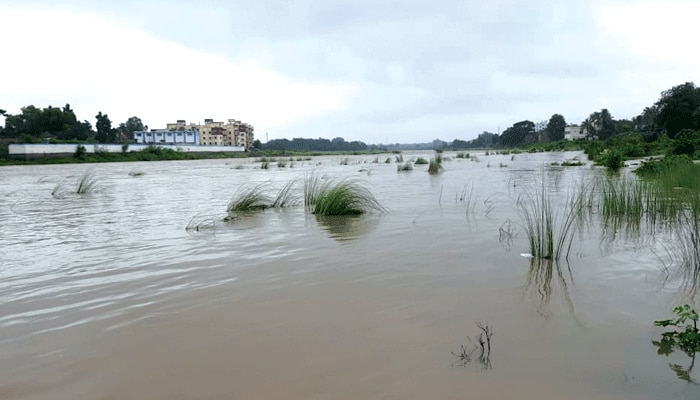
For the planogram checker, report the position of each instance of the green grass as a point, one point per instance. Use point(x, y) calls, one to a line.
point(623, 202)
point(200, 224)
point(247, 200)
point(407, 166)
point(549, 233)
point(347, 197)
point(421, 161)
point(435, 165)
point(286, 196)
point(85, 185)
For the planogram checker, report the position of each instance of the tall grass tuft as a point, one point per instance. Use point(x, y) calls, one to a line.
point(549, 235)
point(421, 161)
point(622, 202)
point(86, 184)
point(435, 165)
point(407, 166)
point(286, 197)
point(247, 200)
point(201, 223)
point(346, 197)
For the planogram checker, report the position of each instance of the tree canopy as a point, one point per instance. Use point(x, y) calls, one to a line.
point(555, 127)
point(678, 109)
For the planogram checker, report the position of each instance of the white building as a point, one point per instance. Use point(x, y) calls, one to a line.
point(574, 132)
point(164, 136)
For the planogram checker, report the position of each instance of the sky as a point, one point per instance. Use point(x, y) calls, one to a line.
point(371, 70)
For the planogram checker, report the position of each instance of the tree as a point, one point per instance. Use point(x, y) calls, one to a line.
point(588, 127)
point(126, 129)
point(605, 124)
point(105, 133)
point(555, 127)
point(47, 123)
point(678, 109)
point(520, 134)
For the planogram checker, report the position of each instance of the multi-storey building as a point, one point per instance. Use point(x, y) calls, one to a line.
point(211, 133)
point(231, 133)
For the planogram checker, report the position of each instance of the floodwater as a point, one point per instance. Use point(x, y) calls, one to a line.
point(108, 296)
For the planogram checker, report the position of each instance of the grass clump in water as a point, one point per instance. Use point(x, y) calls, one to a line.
point(286, 197)
point(435, 165)
point(346, 197)
point(622, 202)
point(247, 200)
point(86, 184)
point(549, 236)
point(421, 161)
point(407, 166)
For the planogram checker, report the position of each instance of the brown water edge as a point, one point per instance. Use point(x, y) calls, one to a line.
point(336, 336)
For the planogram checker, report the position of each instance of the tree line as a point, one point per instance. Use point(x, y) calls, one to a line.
point(320, 144)
point(34, 125)
point(676, 112)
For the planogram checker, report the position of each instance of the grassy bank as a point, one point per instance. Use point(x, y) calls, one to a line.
point(149, 154)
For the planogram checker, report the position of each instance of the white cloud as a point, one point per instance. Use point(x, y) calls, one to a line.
point(57, 57)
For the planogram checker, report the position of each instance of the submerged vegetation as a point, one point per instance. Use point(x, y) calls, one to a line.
point(86, 184)
point(477, 349)
point(550, 234)
point(435, 166)
point(247, 200)
point(347, 197)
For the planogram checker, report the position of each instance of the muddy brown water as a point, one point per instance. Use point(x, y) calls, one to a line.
point(107, 296)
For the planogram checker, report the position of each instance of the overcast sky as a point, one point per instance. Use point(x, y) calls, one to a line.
point(370, 70)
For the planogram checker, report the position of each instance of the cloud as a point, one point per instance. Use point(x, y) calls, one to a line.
point(100, 65)
point(373, 71)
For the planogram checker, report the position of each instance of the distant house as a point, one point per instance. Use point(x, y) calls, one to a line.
point(574, 132)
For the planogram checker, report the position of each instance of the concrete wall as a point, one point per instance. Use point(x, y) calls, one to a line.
point(28, 151)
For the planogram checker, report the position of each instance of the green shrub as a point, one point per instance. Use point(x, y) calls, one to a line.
point(613, 160)
point(687, 142)
point(688, 337)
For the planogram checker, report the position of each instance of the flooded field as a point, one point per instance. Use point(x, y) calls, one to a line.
point(107, 295)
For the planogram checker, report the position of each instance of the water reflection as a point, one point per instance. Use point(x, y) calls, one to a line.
point(540, 278)
point(347, 227)
point(683, 251)
point(665, 348)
